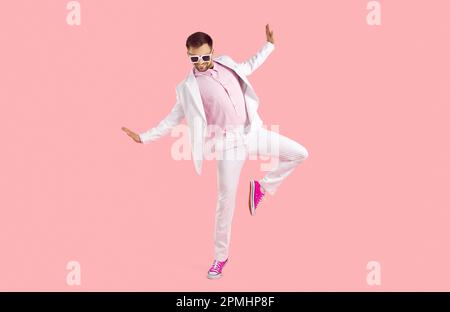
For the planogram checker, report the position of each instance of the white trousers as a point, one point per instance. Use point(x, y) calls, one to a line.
point(232, 152)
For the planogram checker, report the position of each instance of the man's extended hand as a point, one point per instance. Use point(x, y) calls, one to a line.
point(269, 34)
point(133, 135)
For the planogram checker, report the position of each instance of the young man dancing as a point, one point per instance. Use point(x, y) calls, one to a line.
point(216, 94)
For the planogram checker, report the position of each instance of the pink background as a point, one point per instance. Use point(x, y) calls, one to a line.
point(370, 103)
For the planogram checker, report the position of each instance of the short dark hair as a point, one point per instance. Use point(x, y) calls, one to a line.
point(197, 39)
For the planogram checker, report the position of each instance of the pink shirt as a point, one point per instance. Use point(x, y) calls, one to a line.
point(222, 96)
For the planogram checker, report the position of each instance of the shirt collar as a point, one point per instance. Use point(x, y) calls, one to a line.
point(210, 72)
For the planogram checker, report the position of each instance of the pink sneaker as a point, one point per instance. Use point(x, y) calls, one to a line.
point(255, 196)
point(216, 269)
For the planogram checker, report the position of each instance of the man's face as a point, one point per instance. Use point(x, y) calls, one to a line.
point(202, 50)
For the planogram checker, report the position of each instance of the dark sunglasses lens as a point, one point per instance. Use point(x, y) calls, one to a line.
point(206, 58)
point(194, 58)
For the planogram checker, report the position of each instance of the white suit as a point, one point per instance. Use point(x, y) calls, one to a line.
point(255, 137)
point(189, 104)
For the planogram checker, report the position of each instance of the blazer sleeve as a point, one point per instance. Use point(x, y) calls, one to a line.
point(250, 65)
point(174, 117)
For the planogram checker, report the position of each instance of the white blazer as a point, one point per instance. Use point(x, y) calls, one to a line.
point(189, 104)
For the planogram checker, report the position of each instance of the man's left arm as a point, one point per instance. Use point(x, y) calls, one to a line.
point(250, 65)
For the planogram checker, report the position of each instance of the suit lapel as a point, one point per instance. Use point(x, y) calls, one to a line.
point(192, 84)
point(233, 67)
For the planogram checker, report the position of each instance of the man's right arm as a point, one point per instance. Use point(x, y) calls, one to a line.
point(175, 116)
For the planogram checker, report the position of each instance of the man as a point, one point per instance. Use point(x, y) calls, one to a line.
point(217, 93)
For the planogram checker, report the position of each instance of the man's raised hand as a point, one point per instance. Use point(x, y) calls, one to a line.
point(269, 34)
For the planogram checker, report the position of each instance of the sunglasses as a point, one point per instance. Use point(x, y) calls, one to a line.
point(196, 58)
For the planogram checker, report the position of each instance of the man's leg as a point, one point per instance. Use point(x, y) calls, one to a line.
point(289, 153)
point(228, 173)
